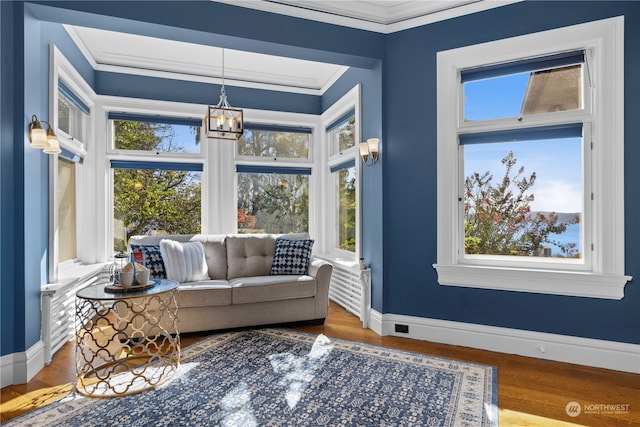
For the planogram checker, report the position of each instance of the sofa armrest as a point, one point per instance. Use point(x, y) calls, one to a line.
point(319, 267)
point(321, 270)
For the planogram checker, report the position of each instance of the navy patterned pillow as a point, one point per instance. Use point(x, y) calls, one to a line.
point(291, 256)
point(152, 259)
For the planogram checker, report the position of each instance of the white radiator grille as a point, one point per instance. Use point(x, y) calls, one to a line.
point(349, 288)
point(59, 313)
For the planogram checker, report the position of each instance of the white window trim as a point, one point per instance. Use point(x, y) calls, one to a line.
point(106, 104)
point(605, 278)
point(60, 67)
point(330, 249)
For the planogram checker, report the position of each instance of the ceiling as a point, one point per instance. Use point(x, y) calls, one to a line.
point(383, 16)
point(142, 55)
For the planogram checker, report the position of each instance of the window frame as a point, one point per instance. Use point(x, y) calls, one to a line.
point(603, 277)
point(334, 184)
point(145, 107)
point(351, 101)
point(71, 142)
point(283, 126)
point(277, 119)
point(86, 253)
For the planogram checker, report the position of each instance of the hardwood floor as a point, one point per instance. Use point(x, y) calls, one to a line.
point(531, 392)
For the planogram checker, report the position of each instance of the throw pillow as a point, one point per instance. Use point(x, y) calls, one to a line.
point(291, 256)
point(184, 262)
point(152, 259)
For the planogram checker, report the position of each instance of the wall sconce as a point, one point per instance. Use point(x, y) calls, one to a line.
point(370, 149)
point(47, 141)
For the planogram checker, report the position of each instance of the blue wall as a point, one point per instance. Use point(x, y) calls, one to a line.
point(410, 283)
point(203, 93)
point(398, 76)
point(9, 200)
point(372, 126)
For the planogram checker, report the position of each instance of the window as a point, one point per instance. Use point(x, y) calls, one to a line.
point(72, 114)
point(529, 192)
point(341, 138)
point(341, 133)
point(344, 181)
point(72, 122)
point(159, 192)
point(137, 132)
point(342, 190)
point(70, 107)
point(274, 142)
point(66, 196)
point(273, 200)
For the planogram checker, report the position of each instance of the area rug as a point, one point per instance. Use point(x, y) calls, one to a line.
point(279, 377)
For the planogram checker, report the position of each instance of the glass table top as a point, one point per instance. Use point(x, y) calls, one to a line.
point(97, 292)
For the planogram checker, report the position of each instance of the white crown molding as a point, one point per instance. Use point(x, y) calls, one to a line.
point(80, 44)
point(199, 73)
point(561, 348)
point(209, 80)
point(443, 15)
point(306, 12)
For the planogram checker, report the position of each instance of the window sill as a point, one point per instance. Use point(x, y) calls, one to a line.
point(73, 272)
point(347, 261)
point(554, 282)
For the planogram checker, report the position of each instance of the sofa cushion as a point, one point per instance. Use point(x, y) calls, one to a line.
point(151, 259)
point(271, 288)
point(291, 256)
point(249, 255)
point(215, 253)
point(204, 293)
point(156, 239)
point(184, 262)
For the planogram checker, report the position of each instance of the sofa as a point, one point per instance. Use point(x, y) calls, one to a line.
point(238, 287)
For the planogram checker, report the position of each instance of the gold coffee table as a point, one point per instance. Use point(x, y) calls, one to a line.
point(126, 342)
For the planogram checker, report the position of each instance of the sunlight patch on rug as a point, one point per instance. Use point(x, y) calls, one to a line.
point(298, 372)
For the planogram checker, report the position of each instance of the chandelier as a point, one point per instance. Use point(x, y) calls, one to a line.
point(222, 121)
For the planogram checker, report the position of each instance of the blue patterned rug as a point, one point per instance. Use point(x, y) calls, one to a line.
point(279, 377)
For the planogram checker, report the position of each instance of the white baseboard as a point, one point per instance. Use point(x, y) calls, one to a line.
point(562, 348)
point(20, 368)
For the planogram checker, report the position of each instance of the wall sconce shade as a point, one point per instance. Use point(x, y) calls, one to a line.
point(222, 121)
point(37, 135)
point(53, 146)
point(47, 141)
point(370, 151)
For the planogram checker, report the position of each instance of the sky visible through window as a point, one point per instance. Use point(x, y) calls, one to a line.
point(557, 162)
point(186, 138)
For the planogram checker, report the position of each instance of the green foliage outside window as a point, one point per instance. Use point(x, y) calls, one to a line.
point(274, 144)
point(273, 203)
point(499, 220)
point(346, 135)
point(347, 209)
point(153, 201)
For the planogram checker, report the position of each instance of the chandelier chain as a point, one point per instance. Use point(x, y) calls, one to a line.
point(222, 90)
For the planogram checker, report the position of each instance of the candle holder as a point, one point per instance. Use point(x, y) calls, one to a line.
point(120, 260)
